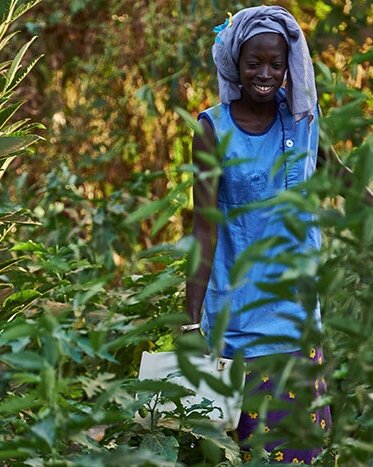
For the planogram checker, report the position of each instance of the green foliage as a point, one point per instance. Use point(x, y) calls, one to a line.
point(94, 254)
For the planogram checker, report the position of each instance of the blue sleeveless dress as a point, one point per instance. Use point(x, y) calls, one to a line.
point(247, 177)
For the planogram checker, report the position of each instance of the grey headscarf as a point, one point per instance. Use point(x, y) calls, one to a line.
point(300, 85)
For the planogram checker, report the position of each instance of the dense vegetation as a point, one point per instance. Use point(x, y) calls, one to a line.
point(95, 222)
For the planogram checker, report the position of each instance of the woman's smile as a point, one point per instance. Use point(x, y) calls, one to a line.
point(263, 89)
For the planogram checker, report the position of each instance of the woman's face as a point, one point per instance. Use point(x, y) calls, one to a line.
point(262, 66)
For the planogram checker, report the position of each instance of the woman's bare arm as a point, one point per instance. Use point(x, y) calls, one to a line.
point(204, 230)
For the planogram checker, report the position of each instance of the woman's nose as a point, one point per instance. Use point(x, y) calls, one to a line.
point(264, 72)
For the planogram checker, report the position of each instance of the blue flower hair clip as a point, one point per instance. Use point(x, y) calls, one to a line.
point(227, 23)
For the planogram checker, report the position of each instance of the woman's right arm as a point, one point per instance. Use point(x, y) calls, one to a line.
point(204, 230)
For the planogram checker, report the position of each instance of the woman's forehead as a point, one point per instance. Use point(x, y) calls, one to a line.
point(268, 41)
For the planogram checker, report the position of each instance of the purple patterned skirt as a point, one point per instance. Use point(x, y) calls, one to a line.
point(279, 451)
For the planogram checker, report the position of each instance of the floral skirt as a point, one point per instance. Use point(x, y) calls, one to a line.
point(277, 451)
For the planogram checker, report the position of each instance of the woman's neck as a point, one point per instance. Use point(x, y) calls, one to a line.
point(252, 116)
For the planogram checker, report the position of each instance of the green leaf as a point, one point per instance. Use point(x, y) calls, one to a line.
point(16, 63)
point(237, 161)
point(325, 71)
point(363, 57)
point(162, 445)
point(9, 265)
point(8, 112)
point(295, 199)
point(20, 300)
point(146, 94)
point(23, 8)
point(123, 455)
point(190, 120)
point(343, 120)
point(146, 210)
point(6, 13)
point(208, 159)
point(25, 360)
point(217, 384)
point(251, 255)
point(30, 245)
point(12, 144)
point(368, 229)
point(94, 386)
point(163, 219)
point(51, 349)
point(348, 326)
point(163, 282)
point(223, 144)
point(95, 287)
point(4, 65)
point(188, 369)
point(219, 328)
point(21, 125)
point(22, 73)
point(191, 343)
point(7, 454)
point(360, 445)
point(48, 384)
point(237, 371)
point(46, 430)
point(15, 331)
point(194, 258)
point(205, 430)
point(16, 404)
point(140, 331)
point(3, 44)
point(287, 160)
point(281, 289)
point(295, 226)
point(213, 214)
point(364, 167)
point(168, 389)
point(17, 217)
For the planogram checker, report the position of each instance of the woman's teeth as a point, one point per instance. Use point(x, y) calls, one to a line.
point(263, 88)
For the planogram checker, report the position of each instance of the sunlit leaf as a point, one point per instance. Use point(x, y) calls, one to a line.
point(11, 144)
point(20, 299)
point(16, 63)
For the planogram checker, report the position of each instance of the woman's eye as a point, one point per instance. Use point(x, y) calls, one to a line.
point(277, 66)
point(252, 65)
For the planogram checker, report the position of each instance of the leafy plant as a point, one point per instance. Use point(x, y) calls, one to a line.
point(95, 252)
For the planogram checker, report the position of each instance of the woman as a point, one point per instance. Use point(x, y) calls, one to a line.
point(255, 52)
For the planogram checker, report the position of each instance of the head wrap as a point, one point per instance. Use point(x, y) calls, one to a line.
point(300, 83)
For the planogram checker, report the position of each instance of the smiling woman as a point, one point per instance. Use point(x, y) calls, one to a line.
point(270, 123)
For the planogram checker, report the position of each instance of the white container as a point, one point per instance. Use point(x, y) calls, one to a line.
point(164, 365)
